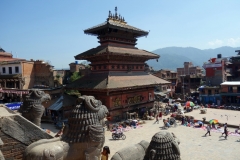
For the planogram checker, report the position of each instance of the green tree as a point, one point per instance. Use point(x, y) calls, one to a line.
point(75, 76)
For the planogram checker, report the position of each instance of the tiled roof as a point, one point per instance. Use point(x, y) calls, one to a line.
point(116, 80)
point(8, 59)
point(116, 50)
point(115, 24)
point(5, 54)
point(17, 123)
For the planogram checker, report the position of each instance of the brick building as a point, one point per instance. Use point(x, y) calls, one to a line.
point(170, 76)
point(189, 77)
point(17, 75)
point(215, 70)
point(16, 133)
point(230, 93)
point(61, 77)
point(221, 73)
point(118, 76)
point(233, 68)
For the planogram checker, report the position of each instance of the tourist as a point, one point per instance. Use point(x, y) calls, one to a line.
point(166, 123)
point(225, 131)
point(160, 115)
point(182, 120)
point(208, 130)
point(105, 153)
point(157, 120)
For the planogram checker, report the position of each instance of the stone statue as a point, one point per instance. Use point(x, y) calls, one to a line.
point(32, 108)
point(134, 152)
point(83, 139)
point(164, 146)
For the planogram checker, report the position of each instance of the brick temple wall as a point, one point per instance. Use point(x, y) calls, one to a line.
point(11, 148)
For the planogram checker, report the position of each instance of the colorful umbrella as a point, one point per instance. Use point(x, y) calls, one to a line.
point(215, 121)
point(189, 104)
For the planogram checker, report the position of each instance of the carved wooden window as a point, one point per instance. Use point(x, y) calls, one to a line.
point(105, 67)
point(113, 66)
point(123, 66)
point(118, 67)
point(137, 67)
point(141, 67)
point(99, 67)
point(4, 70)
point(16, 69)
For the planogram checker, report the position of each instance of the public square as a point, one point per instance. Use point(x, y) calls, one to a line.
point(193, 143)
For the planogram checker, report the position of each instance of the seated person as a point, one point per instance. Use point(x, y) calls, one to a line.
point(236, 131)
point(166, 123)
point(133, 124)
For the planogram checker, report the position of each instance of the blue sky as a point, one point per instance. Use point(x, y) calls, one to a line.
point(52, 30)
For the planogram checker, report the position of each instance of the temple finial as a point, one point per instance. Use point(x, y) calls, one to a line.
point(115, 12)
point(123, 19)
point(109, 14)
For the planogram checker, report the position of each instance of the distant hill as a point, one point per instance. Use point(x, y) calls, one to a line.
point(174, 57)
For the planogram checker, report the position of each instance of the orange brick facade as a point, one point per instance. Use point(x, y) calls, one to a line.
point(120, 102)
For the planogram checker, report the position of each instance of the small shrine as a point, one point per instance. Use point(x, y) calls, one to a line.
point(118, 76)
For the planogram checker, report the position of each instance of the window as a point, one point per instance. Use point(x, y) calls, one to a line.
point(10, 70)
point(238, 89)
point(113, 66)
point(209, 92)
point(16, 70)
point(123, 67)
point(118, 67)
point(230, 89)
point(105, 67)
point(4, 70)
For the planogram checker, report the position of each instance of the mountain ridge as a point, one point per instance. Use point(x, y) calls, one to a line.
point(174, 57)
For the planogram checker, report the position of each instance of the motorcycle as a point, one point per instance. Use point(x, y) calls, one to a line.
point(118, 135)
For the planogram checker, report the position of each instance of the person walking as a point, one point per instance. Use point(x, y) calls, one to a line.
point(225, 126)
point(208, 130)
point(160, 115)
point(157, 120)
point(225, 131)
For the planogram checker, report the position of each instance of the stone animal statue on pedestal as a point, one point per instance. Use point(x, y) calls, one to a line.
point(83, 139)
point(164, 146)
point(134, 152)
point(32, 108)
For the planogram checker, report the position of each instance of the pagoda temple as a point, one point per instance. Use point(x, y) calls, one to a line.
point(118, 76)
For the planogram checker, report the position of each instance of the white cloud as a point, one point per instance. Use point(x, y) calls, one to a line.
point(233, 42)
point(217, 42)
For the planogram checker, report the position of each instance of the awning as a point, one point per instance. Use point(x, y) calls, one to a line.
point(159, 94)
point(57, 105)
point(230, 94)
point(13, 106)
point(235, 83)
point(20, 92)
